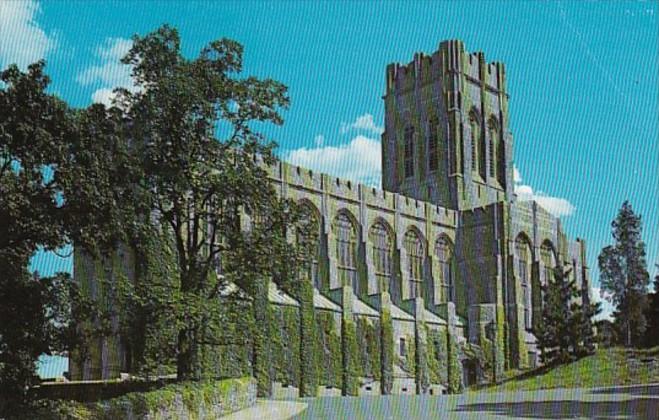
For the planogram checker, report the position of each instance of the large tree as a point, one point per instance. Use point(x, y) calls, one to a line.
point(62, 173)
point(566, 330)
point(624, 276)
point(204, 170)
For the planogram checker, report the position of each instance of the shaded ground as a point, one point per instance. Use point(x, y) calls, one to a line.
point(634, 402)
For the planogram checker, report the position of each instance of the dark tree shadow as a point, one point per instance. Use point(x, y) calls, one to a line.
point(637, 408)
point(650, 389)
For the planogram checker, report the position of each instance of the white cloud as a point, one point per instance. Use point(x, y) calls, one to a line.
point(22, 41)
point(359, 160)
point(110, 73)
point(557, 206)
point(363, 122)
point(607, 307)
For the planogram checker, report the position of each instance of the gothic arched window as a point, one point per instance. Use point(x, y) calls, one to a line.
point(524, 260)
point(382, 255)
point(409, 151)
point(415, 257)
point(475, 130)
point(444, 253)
point(548, 258)
point(433, 149)
point(308, 236)
point(346, 250)
point(494, 140)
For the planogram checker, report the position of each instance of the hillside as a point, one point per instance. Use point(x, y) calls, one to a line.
point(615, 366)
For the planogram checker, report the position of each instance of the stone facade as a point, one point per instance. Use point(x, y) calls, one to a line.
point(445, 247)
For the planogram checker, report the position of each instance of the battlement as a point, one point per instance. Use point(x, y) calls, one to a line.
point(450, 58)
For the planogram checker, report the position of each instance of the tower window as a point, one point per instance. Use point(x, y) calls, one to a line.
point(475, 130)
point(523, 271)
point(433, 159)
point(409, 151)
point(492, 152)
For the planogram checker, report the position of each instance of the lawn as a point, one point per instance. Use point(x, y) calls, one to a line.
point(615, 366)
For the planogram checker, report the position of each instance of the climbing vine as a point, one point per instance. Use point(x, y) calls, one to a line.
point(328, 360)
point(387, 340)
point(368, 338)
point(351, 369)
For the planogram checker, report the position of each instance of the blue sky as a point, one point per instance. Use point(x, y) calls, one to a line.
point(582, 78)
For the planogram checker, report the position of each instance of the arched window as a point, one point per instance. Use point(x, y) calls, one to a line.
point(494, 140)
point(433, 150)
point(444, 253)
point(548, 258)
point(415, 257)
point(524, 259)
point(475, 134)
point(409, 151)
point(308, 237)
point(382, 255)
point(346, 250)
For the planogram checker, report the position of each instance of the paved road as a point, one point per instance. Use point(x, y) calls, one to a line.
point(631, 402)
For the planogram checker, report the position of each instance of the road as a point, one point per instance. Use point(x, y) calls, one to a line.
point(626, 402)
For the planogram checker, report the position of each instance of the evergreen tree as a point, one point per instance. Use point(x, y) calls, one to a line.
point(624, 275)
point(566, 331)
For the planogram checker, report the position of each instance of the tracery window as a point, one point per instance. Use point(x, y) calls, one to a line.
point(433, 158)
point(346, 250)
point(409, 151)
point(523, 251)
point(308, 235)
point(475, 130)
point(382, 255)
point(444, 253)
point(415, 257)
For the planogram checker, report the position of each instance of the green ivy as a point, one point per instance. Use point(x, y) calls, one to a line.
point(285, 345)
point(408, 362)
point(308, 342)
point(454, 366)
point(437, 360)
point(387, 346)
point(351, 369)
point(368, 338)
point(328, 360)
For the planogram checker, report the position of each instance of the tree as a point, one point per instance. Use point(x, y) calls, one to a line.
point(61, 173)
point(624, 275)
point(200, 186)
point(652, 316)
point(566, 330)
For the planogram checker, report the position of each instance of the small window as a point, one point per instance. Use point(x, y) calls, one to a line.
point(409, 152)
point(433, 150)
point(403, 349)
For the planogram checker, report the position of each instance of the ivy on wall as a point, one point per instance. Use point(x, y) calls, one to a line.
point(368, 339)
point(407, 362)
point(285, 345)
point(437, 356)
point(351, 369)
point(455, 384)
point(387, 356)
point(328, 356)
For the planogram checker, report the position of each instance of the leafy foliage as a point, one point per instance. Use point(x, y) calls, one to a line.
point(62, 173)
point(652, 315)
point(624, 275)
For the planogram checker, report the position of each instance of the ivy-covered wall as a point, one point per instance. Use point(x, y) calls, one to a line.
point(368, 343)
point(387, 354)
point(285, 345)
point(352, 370)
point(328, 356)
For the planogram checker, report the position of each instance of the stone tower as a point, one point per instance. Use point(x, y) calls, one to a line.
point(447, 138)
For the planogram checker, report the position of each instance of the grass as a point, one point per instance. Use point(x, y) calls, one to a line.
point(607, 367)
